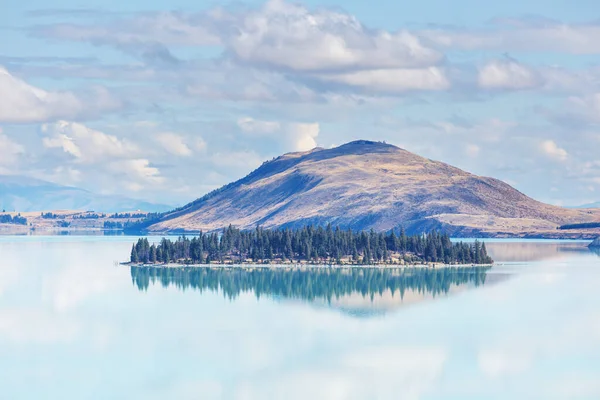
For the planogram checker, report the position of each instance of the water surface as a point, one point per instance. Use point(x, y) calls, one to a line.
point(73, 324)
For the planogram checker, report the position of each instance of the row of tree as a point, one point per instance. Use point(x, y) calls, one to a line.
point(311, 244)
point(113, 225)
point(89, 216)
point(50, 215)
point(10, 219)
point(127, 215)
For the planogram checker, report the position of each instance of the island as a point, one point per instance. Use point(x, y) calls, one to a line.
point(309, 245)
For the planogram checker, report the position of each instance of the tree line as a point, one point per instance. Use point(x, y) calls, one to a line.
point(310, 244)
point(9, 219)
point(127, 215)
point(585, 225)
point(50, 215)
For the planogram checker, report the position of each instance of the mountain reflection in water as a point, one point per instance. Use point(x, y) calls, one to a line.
point(357, 291)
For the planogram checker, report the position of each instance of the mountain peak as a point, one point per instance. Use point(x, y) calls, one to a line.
point(366, 184)
point(362, 142)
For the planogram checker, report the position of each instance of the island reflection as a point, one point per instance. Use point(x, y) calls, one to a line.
point(358, 291)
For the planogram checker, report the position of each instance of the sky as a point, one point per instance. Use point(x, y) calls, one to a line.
point(167, 100)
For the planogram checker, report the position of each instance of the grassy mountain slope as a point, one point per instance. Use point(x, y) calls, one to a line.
point(364, 185)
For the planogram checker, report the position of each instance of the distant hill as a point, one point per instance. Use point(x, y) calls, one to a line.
point(25, 194)
point(590, 205)
point(372, 185)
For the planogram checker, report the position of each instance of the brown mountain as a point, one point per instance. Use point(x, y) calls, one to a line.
point(364, 185)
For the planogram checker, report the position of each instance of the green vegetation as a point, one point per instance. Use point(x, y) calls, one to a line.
point(127, 215)
point(50, 215)
point(89, 216)
point(587, 225)
point(309, 284)
point(309, 244)
point(113, 225)
point(9, 219)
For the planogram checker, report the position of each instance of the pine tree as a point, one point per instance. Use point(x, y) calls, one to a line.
point(134, 255)
point(153, 255)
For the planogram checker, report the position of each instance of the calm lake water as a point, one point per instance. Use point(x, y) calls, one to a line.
point(73, 325)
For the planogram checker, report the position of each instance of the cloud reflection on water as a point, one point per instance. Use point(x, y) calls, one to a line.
point(73, 326)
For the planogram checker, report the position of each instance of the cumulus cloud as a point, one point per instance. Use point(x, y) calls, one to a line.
point(84, 144)
point(24, 103)
point(200, 144)
point(507, 74)
point(173, 143)
point(138, 172)
point(253, 126)
point(552, 150)
point(10, 151)
point(290, 36)
point(393, 80)
point(292, 136)
point(302, 136)
point(280, 37)
point(21, 102)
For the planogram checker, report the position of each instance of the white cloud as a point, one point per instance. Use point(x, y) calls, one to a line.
point(393, 80)
point(290, 36)
point(279, 36)
point(138, 173)
point(302, 136)
point(21, 102)
point(507, 74)
point(84, 144)
point(520, 35)
point(551, 149)
point(200, 144)
point(10, 151)
point(173, 143)
point(24, 103)
point(253, 126)
point(292, 136)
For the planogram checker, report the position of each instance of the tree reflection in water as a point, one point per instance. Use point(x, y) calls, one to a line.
point(310, 284)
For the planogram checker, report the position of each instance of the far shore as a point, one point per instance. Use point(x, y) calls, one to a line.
point(306, 265)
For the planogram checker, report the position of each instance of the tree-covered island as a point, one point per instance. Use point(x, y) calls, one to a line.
point(312, 245)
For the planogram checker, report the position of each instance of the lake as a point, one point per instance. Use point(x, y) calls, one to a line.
point(74, 324)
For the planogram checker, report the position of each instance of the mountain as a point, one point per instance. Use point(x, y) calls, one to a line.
point(25, 194)
point(591, 205)
point(364, 185)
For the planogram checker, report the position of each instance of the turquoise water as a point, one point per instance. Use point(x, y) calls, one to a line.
point(76, 325)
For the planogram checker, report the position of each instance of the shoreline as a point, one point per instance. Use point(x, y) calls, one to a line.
point(307, 266)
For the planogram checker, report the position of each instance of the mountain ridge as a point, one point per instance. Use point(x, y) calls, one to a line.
point(25, 194)
point(369, 185)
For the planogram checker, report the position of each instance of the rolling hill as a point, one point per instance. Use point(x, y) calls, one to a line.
point(23, 194)
point(373, 185)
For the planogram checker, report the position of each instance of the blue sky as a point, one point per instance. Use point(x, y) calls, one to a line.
point(167, 100)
